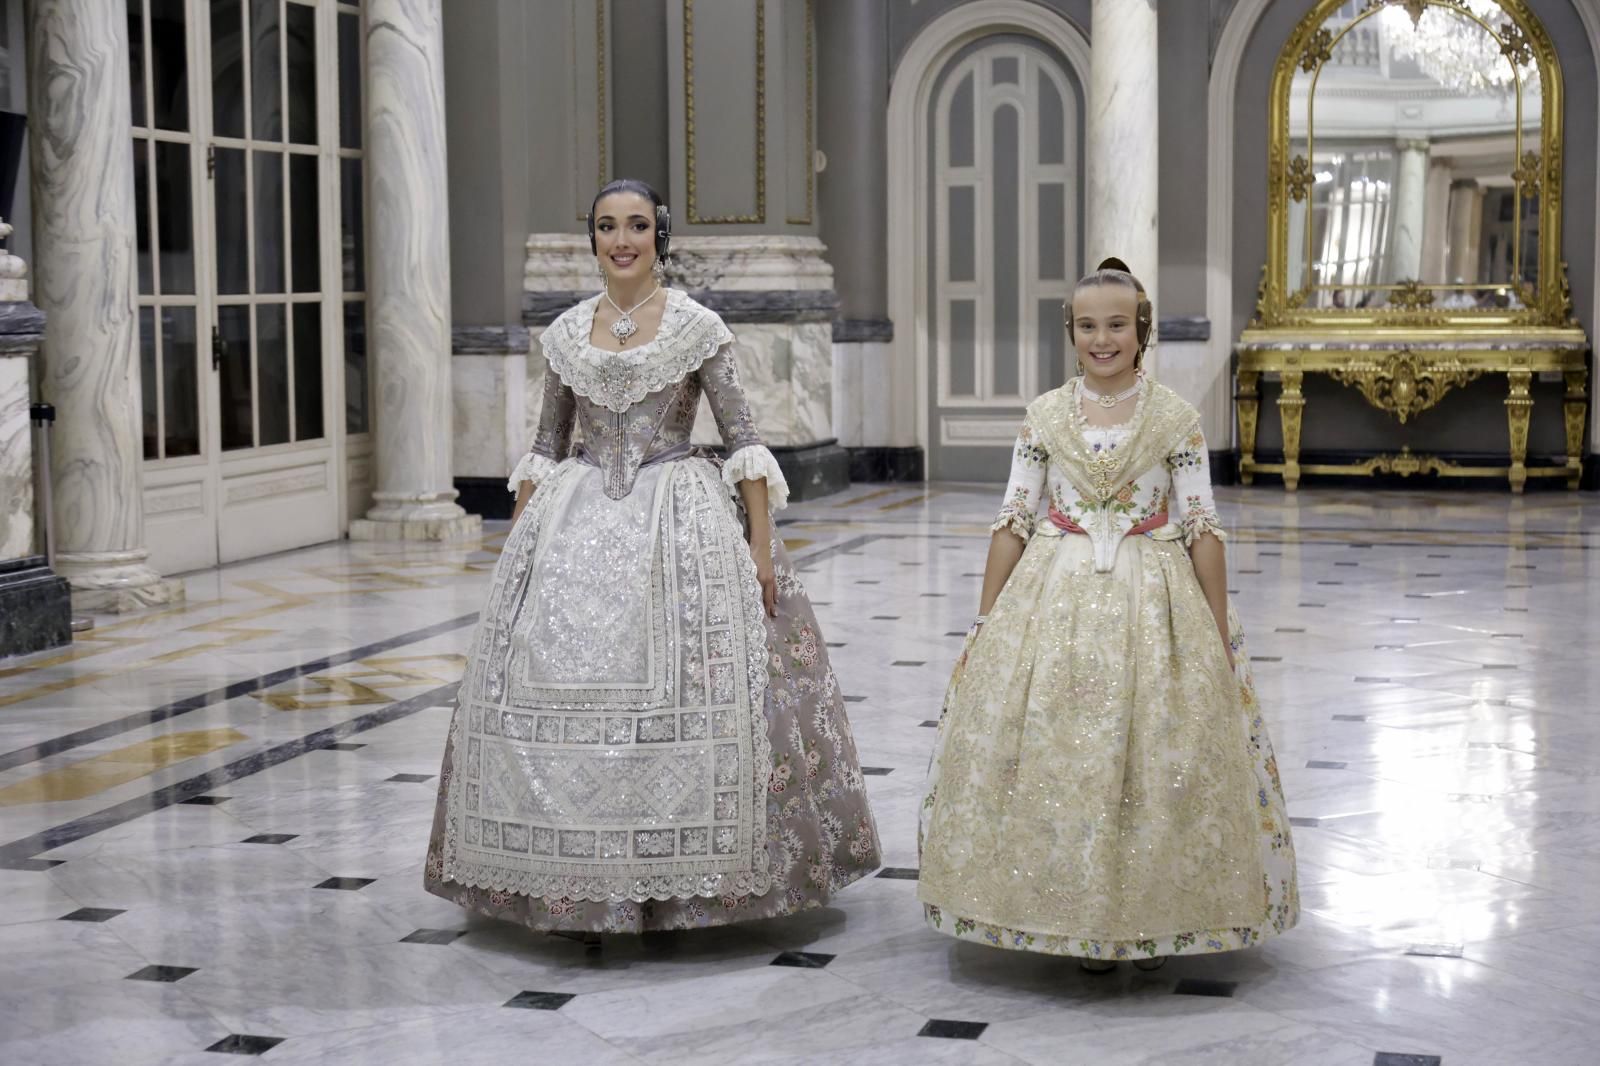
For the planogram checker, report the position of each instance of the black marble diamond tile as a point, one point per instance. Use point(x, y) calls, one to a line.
point(1436, 951)
point(978, 574)
point(1266, 658)
point(343, 746)
point(270, 838)
point(855, 699)
point(410, 779)
point(1517, 610)
point(1360, 545)
point(1500, 666)
point(245, 1044)
point(349, 884)
point(874, 582)
point(92, 914)
point(434, 936)
point(1398, 1058)
point(1430, 575)
point(1289, 629)
point(1505, 636)
point(886, 618)
point(1312, 605)
point(835, 644)
point(161, 973)
point(540, 1000)
point(934, 595)
point(945, 1029)
point(1330, 582)
point(919, 564)
point(909, 662)
point(877, 771)
point(822, 603)
point(805, 960)
point(1320, 764)
point(931, 724)
point(1200, 986)
point(1247, 571)
point(1523, 566)
point(1439, 556)
point(205, 801)
point(956, 633)
point(1306, 823)
point(1346, 564)
point(898, 873)
point(1349, 718)
point(1372, 680)
point(1270, 553)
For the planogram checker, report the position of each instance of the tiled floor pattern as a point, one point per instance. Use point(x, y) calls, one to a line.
point(212, 820)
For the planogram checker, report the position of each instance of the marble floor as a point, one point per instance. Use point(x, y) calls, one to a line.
point(212, 819)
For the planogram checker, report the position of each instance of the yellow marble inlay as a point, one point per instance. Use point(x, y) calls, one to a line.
point(367, 682)
point(95, 775)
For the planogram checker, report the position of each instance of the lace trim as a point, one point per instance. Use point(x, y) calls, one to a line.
point(532, 467)
point(755, 462)
point(1016, 518)
point(689, 335)
point(1198, 522)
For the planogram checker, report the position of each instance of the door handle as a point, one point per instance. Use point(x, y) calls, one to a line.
point(219, 348)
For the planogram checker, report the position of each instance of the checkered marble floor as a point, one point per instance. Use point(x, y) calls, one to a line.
point(212, 819)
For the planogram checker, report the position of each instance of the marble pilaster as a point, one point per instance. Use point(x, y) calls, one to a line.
point(409, 278)
point(1466, 231)
point(1410, 211)
point(83, 236)
point(1121, 152)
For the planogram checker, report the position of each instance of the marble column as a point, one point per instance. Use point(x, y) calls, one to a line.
point(1466, 231)
point(852, 197)
point(409, 277)
point(1435, 230)
point(1410, 211)
point(1121, 153)
point(83, 235)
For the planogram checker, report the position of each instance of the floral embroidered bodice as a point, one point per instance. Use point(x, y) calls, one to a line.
point(638, 406)
point(1108, 480)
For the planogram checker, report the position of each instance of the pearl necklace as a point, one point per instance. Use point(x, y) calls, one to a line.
point(625, 327)
point(1109, 402)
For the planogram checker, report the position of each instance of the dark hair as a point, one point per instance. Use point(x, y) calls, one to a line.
point(1113, 271)
point(641, 188)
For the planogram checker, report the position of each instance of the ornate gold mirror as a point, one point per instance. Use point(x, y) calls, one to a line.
point(1415, 163)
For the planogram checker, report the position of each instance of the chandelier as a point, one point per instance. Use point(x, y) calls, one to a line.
point(1452, 49)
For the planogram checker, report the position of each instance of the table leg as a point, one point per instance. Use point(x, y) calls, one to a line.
point(1247, 403)
point(1576, 410)
point(1291, 408)
point(1519, 409)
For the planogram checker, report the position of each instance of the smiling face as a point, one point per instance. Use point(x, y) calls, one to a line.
point(625, 236)
point(1106, 334)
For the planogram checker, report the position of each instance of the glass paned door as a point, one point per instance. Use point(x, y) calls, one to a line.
point(237, 164)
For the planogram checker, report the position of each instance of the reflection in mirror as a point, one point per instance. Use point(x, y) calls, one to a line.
point(1414, 159)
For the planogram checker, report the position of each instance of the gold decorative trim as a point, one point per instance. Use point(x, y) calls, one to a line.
point(600, 84)
point(1404, 383)
point(1411, 295)
point(1300, 178)
point(1317, 51)
point(692, 205)
point(1526, 43)
point(1527, 174)
point(811, 128)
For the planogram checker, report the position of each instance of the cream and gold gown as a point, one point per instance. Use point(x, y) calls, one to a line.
point(1102, 784)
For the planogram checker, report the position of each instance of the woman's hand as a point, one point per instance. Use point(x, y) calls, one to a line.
point(761, 552)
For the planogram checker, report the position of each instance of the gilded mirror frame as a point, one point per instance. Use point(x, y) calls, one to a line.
point(1410, 310)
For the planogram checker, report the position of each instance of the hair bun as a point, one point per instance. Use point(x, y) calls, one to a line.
point(1111, 262)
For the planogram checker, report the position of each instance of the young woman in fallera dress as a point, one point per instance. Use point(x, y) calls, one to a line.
point(649, 734)
point(1102, 783)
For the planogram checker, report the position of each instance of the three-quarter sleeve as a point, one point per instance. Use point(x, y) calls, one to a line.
point(1029, 464)
point(748, 458)
point(553, 439)
point(1190, 466)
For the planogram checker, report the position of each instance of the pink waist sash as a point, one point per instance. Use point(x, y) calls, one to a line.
point(1067, 525)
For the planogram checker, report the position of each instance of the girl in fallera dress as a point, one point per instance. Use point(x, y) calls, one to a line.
point(648, 735)
point(1102, 784)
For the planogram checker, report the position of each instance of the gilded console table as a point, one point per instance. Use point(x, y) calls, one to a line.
point(1404, 378)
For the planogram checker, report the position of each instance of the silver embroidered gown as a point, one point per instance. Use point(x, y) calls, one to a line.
point(636, 744)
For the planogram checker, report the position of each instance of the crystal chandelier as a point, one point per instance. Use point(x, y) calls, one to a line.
point(1452, 49)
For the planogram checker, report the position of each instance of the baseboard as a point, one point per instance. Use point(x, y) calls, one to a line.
point(814, 470)
point(873, 463)
point(485, 496)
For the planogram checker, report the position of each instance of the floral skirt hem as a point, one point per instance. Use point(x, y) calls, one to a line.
point(1205, 942)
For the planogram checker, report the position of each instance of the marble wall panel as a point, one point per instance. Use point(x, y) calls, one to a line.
point(490, 413)
point(16, 460)
point(847, 360)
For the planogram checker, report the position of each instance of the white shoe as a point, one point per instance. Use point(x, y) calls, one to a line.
point(1097, 965)
point(1150, 964)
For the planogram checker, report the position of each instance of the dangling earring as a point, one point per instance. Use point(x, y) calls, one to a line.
point(660, 271)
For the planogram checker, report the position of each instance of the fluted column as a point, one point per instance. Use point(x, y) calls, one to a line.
point(1410, 211)
point(409, 277)
point(83, 234)
point(1122, 161)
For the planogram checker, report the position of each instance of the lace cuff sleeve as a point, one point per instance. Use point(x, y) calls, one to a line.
point(1029, 463)
point(1190, 466)
point(534, 468)
point(754, 462)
